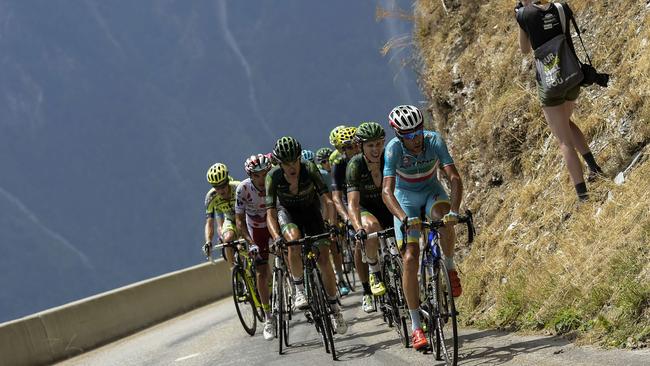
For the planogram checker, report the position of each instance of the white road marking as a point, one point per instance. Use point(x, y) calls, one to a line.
point(187, 357)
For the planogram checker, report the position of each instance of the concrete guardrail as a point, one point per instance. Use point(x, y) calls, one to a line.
point(77, 327)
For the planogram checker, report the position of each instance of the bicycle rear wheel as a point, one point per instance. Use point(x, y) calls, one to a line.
point(349, 270)
point(446, 323)
point(396, 299)
point(243, 302)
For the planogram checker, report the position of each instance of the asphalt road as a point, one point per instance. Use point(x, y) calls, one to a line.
point(212, 335)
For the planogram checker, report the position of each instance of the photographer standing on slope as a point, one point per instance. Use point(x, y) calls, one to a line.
point(544, 28)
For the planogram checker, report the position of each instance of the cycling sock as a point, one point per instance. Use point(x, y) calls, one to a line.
point(415, 319)
point(366, 288)
point(299, 283)
point(333, 304)
point(267, 312)
point(591, 162)
point(449, 262)
point(373, 263)
point(581, 190)
point(377, 276)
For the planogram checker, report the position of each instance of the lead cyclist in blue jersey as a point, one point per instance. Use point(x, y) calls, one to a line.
point(410, 184)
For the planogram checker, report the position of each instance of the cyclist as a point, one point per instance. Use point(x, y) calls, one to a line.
point(335, 156)
point(410, 184)
point(347, 148)
point(250, 216)
point(297, 186)
point(367, 211)
point(220, 204)
point(337, 257)
point(322, 159)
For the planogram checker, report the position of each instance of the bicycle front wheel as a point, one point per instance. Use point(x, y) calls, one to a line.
point(243, 301)
point(446, 323)
point(320, 299)
point(287, 308)
point(278, 308)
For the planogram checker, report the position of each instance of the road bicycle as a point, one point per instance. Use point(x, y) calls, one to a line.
point(394, 307)
point(437, 307)
point(244, 285)
point(319, 311)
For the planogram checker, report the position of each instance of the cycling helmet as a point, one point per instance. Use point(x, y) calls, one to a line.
point(287, 149)
point(323, 154)
point(405, 117)
point(217, 174)
point(369, 131)
point(257, 163)
point(345, 136)
point(333, 134)
point(308, 155)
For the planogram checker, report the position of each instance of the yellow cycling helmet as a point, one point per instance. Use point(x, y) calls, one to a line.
point(217, 174)
point(345, 136)
point(333, 134)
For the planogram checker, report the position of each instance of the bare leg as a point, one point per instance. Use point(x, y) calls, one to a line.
point(558, 121)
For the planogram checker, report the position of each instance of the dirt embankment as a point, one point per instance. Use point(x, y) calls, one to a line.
point(542, 261)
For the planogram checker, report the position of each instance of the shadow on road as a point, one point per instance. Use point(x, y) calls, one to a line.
point(506, 350)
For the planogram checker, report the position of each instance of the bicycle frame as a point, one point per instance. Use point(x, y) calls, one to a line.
point(247, 265)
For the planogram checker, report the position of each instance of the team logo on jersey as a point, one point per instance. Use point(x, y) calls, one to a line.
point(407, 161)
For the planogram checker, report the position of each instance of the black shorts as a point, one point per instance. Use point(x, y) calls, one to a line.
point(307, 219)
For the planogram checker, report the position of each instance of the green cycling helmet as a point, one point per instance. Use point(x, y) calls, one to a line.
point(334, 133)
point(287, 149)
point(323, 154)
point(369, 131)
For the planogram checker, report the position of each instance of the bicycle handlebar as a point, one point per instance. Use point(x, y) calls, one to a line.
point(230, 244)
point(463, 219)
point(308, 239)
point(382, 234)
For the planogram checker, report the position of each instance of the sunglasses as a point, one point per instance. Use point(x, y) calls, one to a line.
point(347, 147)
point(411, 135)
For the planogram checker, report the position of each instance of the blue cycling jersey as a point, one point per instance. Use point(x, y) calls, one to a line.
point(416, 172)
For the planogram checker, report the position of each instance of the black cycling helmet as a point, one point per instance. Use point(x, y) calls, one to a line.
point(369, 131)
point(287, 149)
point(323, 155)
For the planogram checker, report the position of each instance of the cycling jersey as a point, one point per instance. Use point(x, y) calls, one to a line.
point(301, 210)
point(359, 178)
point(252, 202)
point(338, 175)
point(219, 207)
point(327, 178)
point(310, 187)
point(416, 173)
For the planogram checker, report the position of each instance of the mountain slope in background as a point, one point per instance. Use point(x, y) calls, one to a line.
point(111, 112)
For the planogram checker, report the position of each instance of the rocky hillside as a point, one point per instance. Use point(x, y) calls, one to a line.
point(542, 261)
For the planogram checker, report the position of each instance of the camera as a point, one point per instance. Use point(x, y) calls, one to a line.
point(591, 76)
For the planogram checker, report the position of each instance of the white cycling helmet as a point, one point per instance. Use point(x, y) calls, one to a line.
point(405, 118)
point(257, 163)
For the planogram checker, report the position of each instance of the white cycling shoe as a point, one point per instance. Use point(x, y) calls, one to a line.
point(340, 325)
point(269, 329)
point(301, 301)
point(367, 304)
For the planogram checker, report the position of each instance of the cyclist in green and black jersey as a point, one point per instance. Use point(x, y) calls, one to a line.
point(366, 209)
point(299, 188)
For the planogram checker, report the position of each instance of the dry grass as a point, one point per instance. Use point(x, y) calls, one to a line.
point(541, 261)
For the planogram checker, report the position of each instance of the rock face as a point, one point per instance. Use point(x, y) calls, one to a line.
point(111, 113)
point(558, 256)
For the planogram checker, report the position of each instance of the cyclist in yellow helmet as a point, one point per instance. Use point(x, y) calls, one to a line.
point(347, 147)
point(220, 205)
